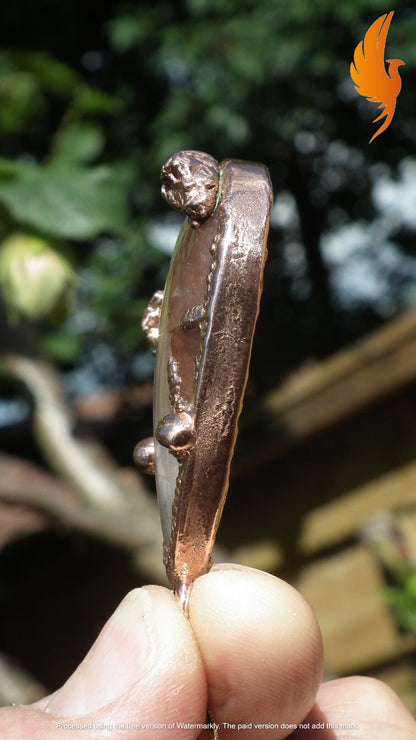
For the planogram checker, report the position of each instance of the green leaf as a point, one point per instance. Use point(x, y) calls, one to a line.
point(21, 100)
point(10, 167)
point(411, 586)
point(94, 101)
point(81, 143)
point(66, 200)
point(126, 31)
point(61, 346)
point(53, 75)
point(134, 28)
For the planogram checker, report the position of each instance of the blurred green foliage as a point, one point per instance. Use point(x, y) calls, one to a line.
point(402, 600)
point(94, 98)
point(56, 192)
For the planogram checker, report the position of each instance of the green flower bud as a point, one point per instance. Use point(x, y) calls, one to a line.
point(33, 275)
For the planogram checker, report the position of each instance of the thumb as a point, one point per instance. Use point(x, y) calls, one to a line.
point(144, 669)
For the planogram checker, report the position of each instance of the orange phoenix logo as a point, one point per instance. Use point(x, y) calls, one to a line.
point(369, 74)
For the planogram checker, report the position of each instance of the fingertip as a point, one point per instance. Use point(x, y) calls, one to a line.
point(366, 705)
point(260, 644)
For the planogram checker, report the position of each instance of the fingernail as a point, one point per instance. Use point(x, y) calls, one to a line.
point(123, 652)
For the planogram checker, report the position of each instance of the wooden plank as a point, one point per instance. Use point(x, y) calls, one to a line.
point(357, 627)
point(261, 554)
point(401, 676)
point(344, 517)
point(325, 393)
point(407, 525)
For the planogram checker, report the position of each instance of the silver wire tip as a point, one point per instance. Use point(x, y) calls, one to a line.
point(183, 593)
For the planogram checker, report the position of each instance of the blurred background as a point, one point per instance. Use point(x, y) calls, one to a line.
point(93, 98)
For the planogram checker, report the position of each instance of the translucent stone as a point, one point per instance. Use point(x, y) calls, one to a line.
point(185, 288)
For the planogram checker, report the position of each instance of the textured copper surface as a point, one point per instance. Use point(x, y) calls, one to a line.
point(207, 321)
point(190, 183)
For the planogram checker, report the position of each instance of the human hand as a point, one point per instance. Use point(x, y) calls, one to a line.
point(251, 651)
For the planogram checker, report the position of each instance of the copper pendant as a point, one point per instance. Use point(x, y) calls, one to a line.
point(203, 328)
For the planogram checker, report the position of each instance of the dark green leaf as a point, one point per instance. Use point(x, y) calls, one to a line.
point(66, 201)
point(94, 101)
point(53, 75)
point(81, 143)
point(60, 346)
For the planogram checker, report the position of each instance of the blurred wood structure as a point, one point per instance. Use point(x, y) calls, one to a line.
point(341, 449)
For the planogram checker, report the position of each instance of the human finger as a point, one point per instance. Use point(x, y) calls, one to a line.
point(262, 651)
point(144, 673)
point(357, 707)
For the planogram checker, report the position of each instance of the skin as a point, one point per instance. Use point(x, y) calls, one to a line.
point(252, 650)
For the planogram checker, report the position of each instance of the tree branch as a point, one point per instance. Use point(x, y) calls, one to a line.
point(94, 495)
point(16, 686)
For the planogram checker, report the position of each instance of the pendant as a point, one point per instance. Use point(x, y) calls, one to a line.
point(202, 329)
